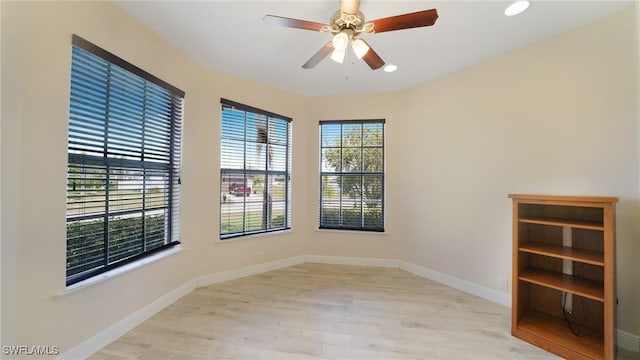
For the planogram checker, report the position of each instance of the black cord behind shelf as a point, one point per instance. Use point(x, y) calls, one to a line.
point(566, 314)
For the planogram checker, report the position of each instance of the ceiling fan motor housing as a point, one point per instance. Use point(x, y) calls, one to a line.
point(341, 21)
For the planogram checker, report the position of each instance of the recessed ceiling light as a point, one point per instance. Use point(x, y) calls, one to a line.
point(390, 68)
point(516, 8)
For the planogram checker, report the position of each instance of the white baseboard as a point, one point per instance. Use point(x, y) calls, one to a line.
point(628, 341)
point(248, 271)
point(123, 326)
point(345, 260)
point(463, 285)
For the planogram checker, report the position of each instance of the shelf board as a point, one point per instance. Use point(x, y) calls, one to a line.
point(563, 222)
point(562, 199)
point(554, 334)
point(582, 287)
point(563, 252)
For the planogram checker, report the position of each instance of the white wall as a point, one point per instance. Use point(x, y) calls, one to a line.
point(560, 116)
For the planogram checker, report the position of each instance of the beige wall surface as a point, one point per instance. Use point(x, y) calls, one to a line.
point(557, 117)
point(634, 256)
point(560, 116)
point(358, 244)
point(36, 58)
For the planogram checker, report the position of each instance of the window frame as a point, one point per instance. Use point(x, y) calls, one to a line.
point(158, 159)
point(322, 225)
point(246, 172)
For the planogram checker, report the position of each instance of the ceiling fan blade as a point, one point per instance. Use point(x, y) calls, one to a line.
point(318, 56)
point(293, 23)
point(406, 21)
point(372, 58)
point(350, 6)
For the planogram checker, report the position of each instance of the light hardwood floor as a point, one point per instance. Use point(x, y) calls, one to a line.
point(319, 311)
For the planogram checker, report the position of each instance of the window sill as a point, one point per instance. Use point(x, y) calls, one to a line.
point(119, 271)
point(253, 236)
point(360, 232)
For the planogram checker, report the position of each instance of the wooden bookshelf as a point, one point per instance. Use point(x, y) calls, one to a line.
point(563, 266)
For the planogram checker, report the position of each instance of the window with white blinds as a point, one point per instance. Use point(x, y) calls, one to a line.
point(123, 172)
point(255, 166)
point(352, 175)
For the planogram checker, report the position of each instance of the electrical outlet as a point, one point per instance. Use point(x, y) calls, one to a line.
point(503, 283)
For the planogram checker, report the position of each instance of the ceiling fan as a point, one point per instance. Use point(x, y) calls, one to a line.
point(346, 24)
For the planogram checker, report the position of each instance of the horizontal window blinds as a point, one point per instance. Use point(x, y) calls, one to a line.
point(124, 153)
point(255, 163)
point(352, 175)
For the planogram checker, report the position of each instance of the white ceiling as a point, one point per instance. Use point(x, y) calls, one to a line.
point(230, 37)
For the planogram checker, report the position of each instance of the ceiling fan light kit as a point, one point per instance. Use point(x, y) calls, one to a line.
point(347, 24)
point(338, 55)
point(340, 41)
point(360, 48)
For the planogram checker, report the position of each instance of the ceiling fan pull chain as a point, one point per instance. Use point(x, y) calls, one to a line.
point(346, 66)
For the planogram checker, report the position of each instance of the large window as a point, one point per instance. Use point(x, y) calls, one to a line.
point(124, 163)
point(352, 175)
point(255, 163)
